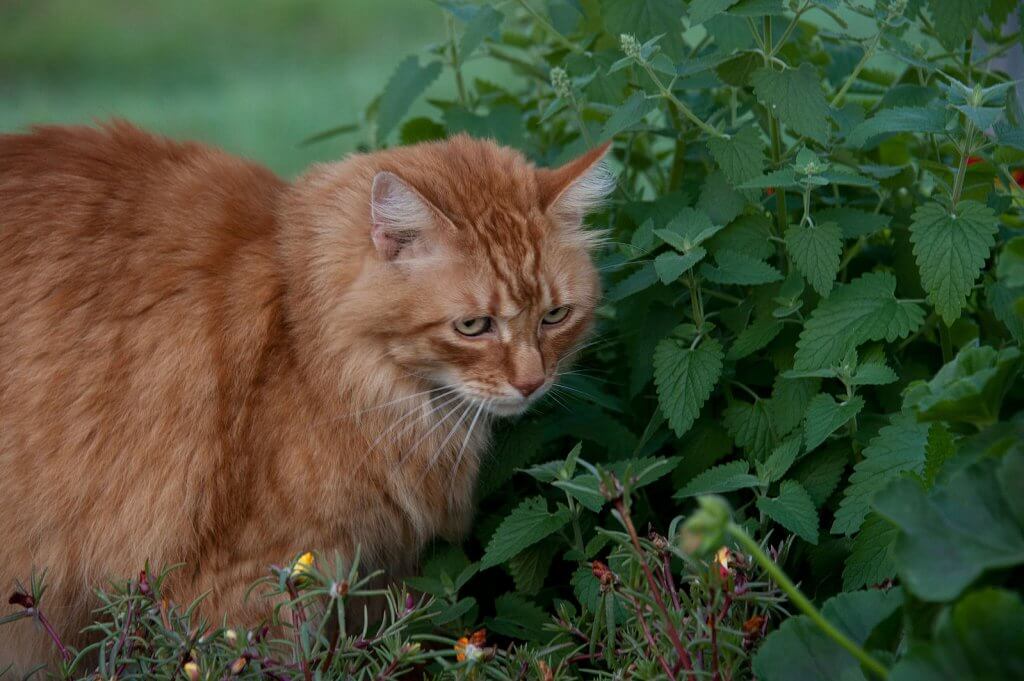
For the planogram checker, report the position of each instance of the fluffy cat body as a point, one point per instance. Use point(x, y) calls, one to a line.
point(201, 363)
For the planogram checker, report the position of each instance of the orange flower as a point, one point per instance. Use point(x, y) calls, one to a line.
point(471, 647)
point(723, 557)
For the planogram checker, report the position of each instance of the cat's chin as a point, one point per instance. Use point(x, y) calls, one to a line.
point(509, 408)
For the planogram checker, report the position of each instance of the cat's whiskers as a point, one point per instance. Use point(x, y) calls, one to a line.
point(410, 418)
point(465, 441)
point(440, 449)
point(447, 390)
point(437, 425)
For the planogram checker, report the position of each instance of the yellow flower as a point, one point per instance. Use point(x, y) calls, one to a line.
point(191, 670)
point(303, 564)
point(722, 557)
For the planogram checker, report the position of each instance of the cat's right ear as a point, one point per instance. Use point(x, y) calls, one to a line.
point(400, 217)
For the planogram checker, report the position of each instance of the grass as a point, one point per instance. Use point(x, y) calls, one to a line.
point(252, 76)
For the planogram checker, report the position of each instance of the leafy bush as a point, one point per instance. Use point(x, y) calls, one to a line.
point(810, 336)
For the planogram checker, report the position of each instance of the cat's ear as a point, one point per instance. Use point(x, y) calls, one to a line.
point(571, 191)
point(401, 217)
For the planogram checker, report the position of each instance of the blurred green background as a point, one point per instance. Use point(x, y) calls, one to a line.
point(252, 76)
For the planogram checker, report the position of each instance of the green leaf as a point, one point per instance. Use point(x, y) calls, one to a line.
point(793, 509)
point(751, 339)
point(873, 373)
point(870, 561)
point(720, 479)
point(529, 568)
point(789, 402)
point(671, 266)
point(750, 426)
point(795, 96)
point(899, 119)
point(950, 536)
point(628, 114)
point(733, 267)
point(518, 617)
point(955, 20)
point(819, 473)
point(782, 457)
point(951, 249)
point(485, 22)
point(740, 156)
point(969, 389)
point(685, 378)
point(406, 84)
point(853, 223)
point(585, 489)
point(825, 416)
point(702, 10)
point(526, 525)
point(866, 309)
point(899, 447)
point(688, 229)
point(939, 449)
point(645, 19)
point(815, 252)
point(784, 178)
point(644, 277)
point(982, 639)
point(798, 649)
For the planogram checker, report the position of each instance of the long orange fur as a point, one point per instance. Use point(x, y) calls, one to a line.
point(202, 363)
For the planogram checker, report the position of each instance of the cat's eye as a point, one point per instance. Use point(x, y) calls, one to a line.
point(556, 314)
point(474, 326)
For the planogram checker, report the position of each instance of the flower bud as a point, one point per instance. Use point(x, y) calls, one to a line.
point(630, 46)
point(560, 83)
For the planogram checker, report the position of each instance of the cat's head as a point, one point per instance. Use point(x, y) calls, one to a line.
point(482, 266)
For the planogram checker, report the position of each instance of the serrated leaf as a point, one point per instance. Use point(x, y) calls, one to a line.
point(784, 178)
point(819, 473)
point(688, 229)
point(951, 535)
point(866, 309)
point(789, 402)
point(733, 267)
point(529, 568)
point(939, 449)
point(873, 373)
point(899, 119)
point(526, 525)
point(645, 19)
point(793, 509)
point(795, 96)
point(628, 114)
point(685, 378)
point(750, 426)
point(799, 649)
point(406, 84)
point(825, 416)
point(899, 447)
point(751, 339)
point(702, 10)
point(485, 22)
point(728, 477)
point(815, 252)
point(776, 465)
point(854, 223)
point(870, 561)
point(644, 277)
point(671, 266)
point(741, 156)
point(518, 617)
point(951, 249)
point(955, 20)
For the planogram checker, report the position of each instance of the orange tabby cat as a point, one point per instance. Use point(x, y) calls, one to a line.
point(202, 363)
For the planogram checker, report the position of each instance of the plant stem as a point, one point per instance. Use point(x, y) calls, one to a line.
point(869, 52)
point(456, 65)
point(546, 25)
point(805, 605)
point(683, 109)
point(773, 129)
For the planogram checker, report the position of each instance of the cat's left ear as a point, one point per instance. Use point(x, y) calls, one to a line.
point(569, 192)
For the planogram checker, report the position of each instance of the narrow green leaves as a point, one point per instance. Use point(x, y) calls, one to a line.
point(793, 509)
point(815, 251)
point(863, 310)
point(795, 96)
point(530, 522)
point(407, 83)
point(951, 248)
point(685, 378)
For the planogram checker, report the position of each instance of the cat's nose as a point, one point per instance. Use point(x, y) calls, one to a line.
point(527, 386)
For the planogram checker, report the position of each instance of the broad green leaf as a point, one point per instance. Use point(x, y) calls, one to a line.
point(740, 156)
point(789, 402)
point(782, 457)
point(793, 509)
point(760, 333)
point(700, 11)
point(950, 536)
point(529, 568)
point(815, 252)
point(750, 426)
point(870, 561)
point(795, 96)
point(970, 389)
point(825, 416)
point(784, 178)
point(982, 639)
point(899, 447)
point(852, 222)
point(819, 473)
point(644, 277)
point(873, 373)
point(645, 19)
point(749, 234)
point(518, 617)
point(798, 649)
point(951, 249)
point(720, 200)
point(628, 114)
point(955, 20)
point(733, 267)
point(728, 477)
point(530, 522)
point(940, 448)
point(485, 22)
point(407, 83)
point(688, 229)
point(899, 119)
point(1009, 136)
point(671, 266)
point(685, 378)
point(866, 309)
point(585, 489)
